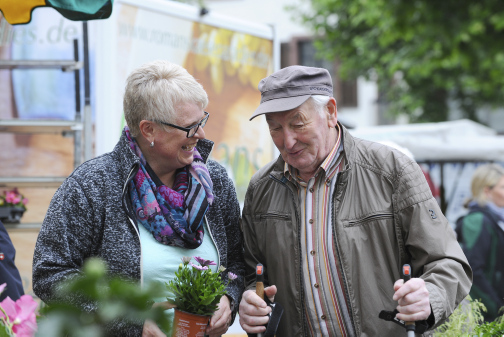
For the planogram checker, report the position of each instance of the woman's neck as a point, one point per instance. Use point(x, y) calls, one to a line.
point(166, 177)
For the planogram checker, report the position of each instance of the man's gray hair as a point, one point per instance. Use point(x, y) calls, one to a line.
point(154, 90)
point(320, 103)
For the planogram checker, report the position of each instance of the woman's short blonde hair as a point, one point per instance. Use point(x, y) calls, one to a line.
point(154, 90)
point(487, 175)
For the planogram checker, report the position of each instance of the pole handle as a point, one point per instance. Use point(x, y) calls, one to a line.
point(406, 271)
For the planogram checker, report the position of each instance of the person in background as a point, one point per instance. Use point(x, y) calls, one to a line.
point(334, 218)
point(481, 235)
point(155, 198)
point(8, 271)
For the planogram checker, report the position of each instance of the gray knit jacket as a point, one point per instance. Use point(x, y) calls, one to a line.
point(90, 214)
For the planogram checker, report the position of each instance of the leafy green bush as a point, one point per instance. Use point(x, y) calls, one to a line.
point(116, 299)
point(467, 320)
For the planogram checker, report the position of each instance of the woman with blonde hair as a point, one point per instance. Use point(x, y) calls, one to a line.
point(155, 198)
point(481, 235)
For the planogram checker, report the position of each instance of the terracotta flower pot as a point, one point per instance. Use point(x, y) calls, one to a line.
point(189, 325)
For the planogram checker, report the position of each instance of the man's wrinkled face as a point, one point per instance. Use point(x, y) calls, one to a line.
point(304, 136)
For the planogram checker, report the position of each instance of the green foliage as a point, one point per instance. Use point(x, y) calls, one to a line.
point(420, 52)
point(196, 291)
point(4, 330)
point(467, 320)
point(116, 300)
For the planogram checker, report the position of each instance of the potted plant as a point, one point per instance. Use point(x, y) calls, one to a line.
point(12, 206)
point(195, 291)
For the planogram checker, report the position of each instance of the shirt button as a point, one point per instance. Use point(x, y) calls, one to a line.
point(311, 190)
point(323, 316)
point(310, 221)
point(316, 285)
point(312, 252)
point(328, 181)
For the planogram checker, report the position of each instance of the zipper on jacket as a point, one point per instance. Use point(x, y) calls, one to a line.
point(131, 174)
point(213, 240)
point(371, 217)
point(296, 211)
point(274, 216)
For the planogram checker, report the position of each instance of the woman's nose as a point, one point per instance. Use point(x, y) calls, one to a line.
point(200, 134)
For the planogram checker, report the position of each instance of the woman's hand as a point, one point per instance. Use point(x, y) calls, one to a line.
point(150, 329)
point(219, 323)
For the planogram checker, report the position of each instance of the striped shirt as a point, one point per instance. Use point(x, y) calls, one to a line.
point(326, 309)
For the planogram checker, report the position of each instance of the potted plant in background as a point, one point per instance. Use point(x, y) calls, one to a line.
point(12, 206)
point(196, 291)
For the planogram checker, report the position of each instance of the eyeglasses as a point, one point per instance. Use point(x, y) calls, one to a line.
point(191, 130)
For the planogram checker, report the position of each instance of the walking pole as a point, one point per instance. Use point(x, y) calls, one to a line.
point(410, 326)
point(260, 285)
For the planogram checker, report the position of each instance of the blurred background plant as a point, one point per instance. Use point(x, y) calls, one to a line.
point(13, 198)
point(116, 299)
point(467, 320)
point(424, 55)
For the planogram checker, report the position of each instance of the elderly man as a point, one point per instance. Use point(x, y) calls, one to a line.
point(333, 220)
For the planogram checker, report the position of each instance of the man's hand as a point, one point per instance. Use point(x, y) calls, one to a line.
point(219, 323)
point(413, 300)
point(253, 310)
point(150, 329)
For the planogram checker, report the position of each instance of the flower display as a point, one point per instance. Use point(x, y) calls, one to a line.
point(196, 288)
point(18, 318)
point(13, 198)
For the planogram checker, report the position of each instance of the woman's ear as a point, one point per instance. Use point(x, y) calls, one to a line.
point(487, 194)
point(147, 130)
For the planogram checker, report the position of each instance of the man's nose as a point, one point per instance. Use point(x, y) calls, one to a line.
point(289, 139)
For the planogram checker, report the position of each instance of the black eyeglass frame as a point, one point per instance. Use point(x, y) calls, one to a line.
point(201, 123)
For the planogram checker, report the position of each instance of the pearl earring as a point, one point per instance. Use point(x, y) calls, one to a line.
point(152, 144)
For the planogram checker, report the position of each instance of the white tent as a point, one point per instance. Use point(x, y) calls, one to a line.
point(460, 140)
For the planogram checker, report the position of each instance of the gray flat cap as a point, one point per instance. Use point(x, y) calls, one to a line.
point(290, 87)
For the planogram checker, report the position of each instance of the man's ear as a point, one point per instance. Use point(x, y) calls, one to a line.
point(147, 130)
point(332, 112)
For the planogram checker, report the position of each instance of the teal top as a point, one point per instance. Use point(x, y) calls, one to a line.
point(160, 262)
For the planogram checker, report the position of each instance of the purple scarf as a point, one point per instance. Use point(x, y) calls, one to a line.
point(173, 216)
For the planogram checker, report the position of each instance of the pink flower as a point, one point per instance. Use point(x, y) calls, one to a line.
point(204, 262)
point(21, 315)
point(198, 267)
point(25, 201)
point(10, 197)
point(232, 276)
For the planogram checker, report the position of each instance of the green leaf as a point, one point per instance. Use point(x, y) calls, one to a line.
point(5, 331)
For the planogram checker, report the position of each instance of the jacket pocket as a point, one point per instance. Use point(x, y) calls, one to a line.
point(274, 215)
point(369, 218)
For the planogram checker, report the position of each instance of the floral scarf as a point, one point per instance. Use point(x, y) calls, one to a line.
point(173, 216)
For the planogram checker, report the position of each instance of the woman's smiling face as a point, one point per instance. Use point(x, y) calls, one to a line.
point(172, 148)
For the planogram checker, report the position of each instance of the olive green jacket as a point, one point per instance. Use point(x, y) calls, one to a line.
point(384, 216)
